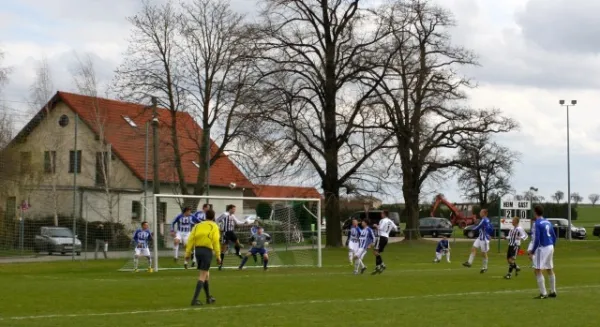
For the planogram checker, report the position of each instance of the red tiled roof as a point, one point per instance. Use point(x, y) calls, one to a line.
point(276, 191)
point(128, 142)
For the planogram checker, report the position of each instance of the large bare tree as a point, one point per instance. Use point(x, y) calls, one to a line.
point(194, 58)
point(486, 169)
point(218, 78)
point(316, 75)
point(153, 68)
point(423, 95)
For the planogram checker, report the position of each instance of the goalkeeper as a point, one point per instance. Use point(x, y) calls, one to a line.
point(260, 241)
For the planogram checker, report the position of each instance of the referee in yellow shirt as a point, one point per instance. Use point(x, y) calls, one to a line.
point(205, 239)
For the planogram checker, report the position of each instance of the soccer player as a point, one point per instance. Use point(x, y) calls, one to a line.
point(385, 226)
point(543, 248)
point(482, 242)
point(200, 216)
point(352, 240)
point(254, 231)
point(227, 221)
point(260, 241)
point(142, 238)
point(205, 241)
point(365, 242)
point(183, 221)
point(443, 248)
point(515, 236)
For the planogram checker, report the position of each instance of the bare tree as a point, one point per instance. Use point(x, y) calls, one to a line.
point(317, 81)
point(152, 68)
point(423, 96)
point(558, 196)
point(218, 79)
point(487, 168)
point(84, 78)
point(594, 197)
point(40, 93)
point(575, 197)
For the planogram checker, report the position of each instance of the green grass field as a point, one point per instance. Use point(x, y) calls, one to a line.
point(413, 291)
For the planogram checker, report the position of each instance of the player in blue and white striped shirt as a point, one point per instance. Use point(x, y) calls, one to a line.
point(352, 240)
point(366, 240)
point(443, 248)
point(180, 230)
point(482, 242)
point(141, 239)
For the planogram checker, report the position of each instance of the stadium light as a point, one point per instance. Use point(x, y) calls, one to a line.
point(573, 103)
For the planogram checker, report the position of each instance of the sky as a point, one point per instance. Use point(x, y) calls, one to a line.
point(532, 53)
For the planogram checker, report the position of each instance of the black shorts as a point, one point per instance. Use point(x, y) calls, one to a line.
point(229, 236)
point(512, 252)
point(380, 244)
point(204, 258)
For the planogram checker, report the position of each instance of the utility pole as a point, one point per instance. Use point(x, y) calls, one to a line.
point(156, 178)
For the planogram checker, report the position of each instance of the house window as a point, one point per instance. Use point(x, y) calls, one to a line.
point(130, 121)
point(162, 213)
point(25, 162)
point(49, 162)
point(136, 211)
point(102, 165)
point(75, 161)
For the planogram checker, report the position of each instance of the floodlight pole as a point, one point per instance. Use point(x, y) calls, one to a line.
point(573, 103)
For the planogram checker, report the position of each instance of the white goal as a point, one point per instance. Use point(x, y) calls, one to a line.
point(294, 224)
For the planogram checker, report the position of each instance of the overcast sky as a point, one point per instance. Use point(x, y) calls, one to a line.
point(532, 53)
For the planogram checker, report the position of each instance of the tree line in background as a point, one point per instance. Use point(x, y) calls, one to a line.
point(364, 98)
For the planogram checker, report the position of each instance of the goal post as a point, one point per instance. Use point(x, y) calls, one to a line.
point(294, 224)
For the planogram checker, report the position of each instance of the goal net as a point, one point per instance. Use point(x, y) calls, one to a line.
point(294, 226)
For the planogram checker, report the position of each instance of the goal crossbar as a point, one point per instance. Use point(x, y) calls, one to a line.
point(155, 198)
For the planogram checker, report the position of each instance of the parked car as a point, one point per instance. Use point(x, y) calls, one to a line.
point(470, 231)
point(435, 226)
point(561, 226)
point(56, 239)
point(596, 231)
point(374, 218)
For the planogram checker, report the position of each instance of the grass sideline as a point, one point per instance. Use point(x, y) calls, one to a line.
point(413, 291)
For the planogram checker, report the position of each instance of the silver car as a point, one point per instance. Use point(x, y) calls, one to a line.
point(56, 239)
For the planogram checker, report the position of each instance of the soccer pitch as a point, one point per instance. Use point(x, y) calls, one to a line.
point(413, 291)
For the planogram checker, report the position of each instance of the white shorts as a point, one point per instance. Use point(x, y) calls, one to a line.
point(353, 247)
point(144, 252)
point(544, 257)
point(182, 237)
point(360, 253)
point(483, 245)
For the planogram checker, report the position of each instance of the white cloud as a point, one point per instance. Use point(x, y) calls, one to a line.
point(533, 53)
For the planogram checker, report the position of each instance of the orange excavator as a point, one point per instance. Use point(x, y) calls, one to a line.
point(457, 217)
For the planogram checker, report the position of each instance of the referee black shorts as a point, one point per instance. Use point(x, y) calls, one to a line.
point(512, 252)
point(204, 258)
point(229, 236)
point(381, 243)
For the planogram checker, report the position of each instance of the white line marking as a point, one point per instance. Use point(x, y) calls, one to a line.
point(291, 303)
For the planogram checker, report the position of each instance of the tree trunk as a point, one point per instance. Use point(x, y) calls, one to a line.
point(411, 200)
point(332, 211)
point(177, 155)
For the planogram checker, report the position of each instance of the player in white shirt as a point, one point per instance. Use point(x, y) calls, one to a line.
point(384, 228)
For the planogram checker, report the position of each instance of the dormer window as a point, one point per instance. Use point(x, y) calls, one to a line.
point(130, 121)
